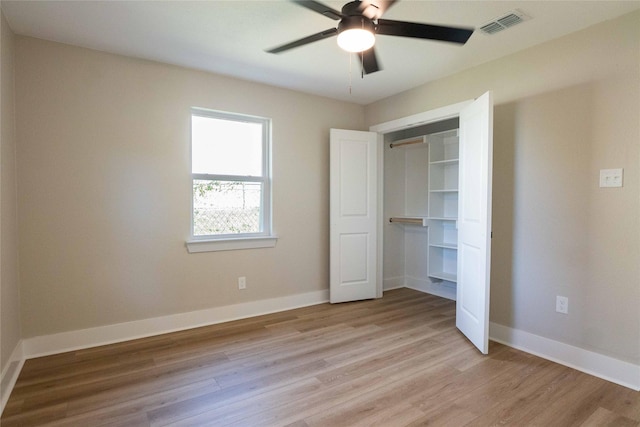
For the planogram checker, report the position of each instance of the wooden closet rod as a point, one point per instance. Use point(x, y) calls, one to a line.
point(418, 221)
point(420, 140)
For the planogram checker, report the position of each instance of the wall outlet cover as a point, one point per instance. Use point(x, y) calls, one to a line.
point(562, 304)
point(611, 177)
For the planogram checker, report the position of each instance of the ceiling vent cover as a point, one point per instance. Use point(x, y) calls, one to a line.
point(502, 23)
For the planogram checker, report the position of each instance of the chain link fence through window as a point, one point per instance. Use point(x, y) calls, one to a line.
point(226, 207)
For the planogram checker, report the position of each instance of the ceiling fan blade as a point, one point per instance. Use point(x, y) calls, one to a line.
point(306, 40)
point(424, 31)
point(373, 9)
point(320, 8)
point(369, 61)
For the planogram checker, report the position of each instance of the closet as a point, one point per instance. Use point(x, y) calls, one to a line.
point(410, 206)
point(421, 208)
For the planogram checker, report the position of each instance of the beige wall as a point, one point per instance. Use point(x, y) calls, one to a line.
point(104, 189)
point(564, 110)
point(103, 176)
point(9, 286)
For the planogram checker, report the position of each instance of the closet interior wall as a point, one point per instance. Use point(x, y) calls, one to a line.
point(406, 196)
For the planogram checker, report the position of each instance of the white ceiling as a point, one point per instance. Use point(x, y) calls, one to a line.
point(229, 37)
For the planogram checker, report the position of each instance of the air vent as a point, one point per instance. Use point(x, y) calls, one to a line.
point(502, 23)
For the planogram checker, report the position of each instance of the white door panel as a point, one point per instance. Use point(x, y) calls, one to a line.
point(474, 221)
point(353, 215)
point(354, 170)
point(353, 258)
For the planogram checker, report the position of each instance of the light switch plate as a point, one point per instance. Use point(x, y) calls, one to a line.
point(610, 177)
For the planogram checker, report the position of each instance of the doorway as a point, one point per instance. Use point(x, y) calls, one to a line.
point(446, 198)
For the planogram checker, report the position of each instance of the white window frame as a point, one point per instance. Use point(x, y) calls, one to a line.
point(223, 242)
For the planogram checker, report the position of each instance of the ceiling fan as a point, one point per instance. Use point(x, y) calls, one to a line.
point(360, 22)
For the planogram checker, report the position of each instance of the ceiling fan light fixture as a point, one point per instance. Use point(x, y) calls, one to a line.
point(356, 34)
point(356, 40)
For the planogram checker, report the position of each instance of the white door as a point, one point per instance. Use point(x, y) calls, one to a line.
point(353, 215)
point(474, 221)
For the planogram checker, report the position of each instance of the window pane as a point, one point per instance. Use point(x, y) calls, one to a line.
point(226, 207)
point(225, 147)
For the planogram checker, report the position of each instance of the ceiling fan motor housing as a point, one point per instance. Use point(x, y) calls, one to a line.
point(356, 22)
point(353, 8)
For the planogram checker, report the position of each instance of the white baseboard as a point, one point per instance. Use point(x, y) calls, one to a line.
point(109, 334)
point(393, 283)
point(10, 374)
point(596, 364)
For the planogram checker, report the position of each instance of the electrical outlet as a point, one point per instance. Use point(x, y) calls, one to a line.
point(562, 304)
point(242, 282)
point(611, 177)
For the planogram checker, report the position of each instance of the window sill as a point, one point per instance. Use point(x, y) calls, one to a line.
point(195, 246)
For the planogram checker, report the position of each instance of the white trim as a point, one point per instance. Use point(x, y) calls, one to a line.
point(608, 368)
point(266, 202)
point(431, 116)
point(101, 335)
point(380, 285)
point(437, 115)
point(213, 245)
point(10, 374)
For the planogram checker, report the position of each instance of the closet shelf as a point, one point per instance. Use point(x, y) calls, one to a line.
point(444, 245)
point(444, 162)
point(442, 275)
point(422, 221)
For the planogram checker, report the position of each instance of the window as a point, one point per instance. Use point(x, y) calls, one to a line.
point(230, 169)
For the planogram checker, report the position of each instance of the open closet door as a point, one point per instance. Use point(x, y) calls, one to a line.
point(474, 221)
point(353, 215)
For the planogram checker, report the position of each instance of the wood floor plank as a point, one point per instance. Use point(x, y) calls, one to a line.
point(575, 405)
point(603, 417)
point(66, 390)
point(491, 371)
point(295, 411)
point(376, 400)
point(337, 391)
point(621, 400)
point(202, 404)
point(153, 394)
point(445, 415)
point(123, 409)
point(401, 414)
point(239, 409)
point(504, 401)
point(37, 416)
point(255, 368)
point(395, 361)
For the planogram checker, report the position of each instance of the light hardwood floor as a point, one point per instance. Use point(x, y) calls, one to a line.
point(397, 361)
